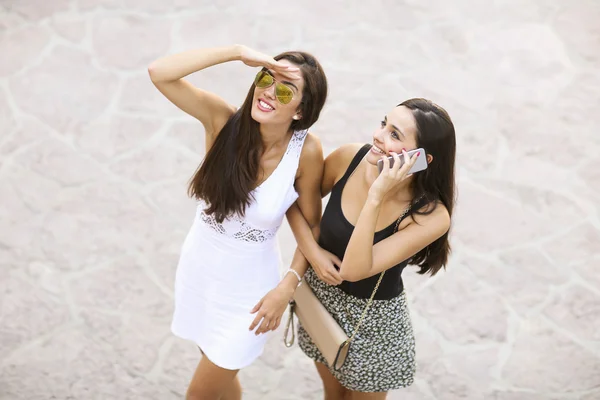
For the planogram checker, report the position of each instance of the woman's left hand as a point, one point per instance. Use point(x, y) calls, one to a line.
point(390, 177)
point(253, 58)
point(270, 309)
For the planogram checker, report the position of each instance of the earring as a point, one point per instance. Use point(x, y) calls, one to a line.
point(295, 117)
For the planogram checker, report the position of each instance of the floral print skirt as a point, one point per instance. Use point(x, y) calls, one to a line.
point(382, 354)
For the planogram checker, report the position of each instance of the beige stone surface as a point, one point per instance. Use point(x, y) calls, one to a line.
point(94, 164)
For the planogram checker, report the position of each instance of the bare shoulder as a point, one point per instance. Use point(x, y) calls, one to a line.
point(336, 165)
point(435, 214)
point(311, 158)
point(312, 149)
point(340, 158)
point(347, 151)
point(219, 120)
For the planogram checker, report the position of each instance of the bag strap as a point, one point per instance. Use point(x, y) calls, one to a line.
point(364, 313)
point(290, 324)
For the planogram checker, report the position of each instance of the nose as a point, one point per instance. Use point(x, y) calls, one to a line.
point(270, 92)
point(379, 135)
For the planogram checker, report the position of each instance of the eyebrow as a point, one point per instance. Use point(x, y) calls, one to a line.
point(395, 127)
point(272, 73)
point(291, 84)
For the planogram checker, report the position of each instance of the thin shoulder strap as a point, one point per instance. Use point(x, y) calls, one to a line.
point(355, 161)
point(417, 204)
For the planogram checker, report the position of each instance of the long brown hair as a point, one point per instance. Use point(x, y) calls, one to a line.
point(435, 134)
point(229, 171)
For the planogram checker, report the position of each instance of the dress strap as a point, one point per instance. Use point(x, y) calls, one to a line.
point(291, 159)
point(353, 164)
point(294, 148)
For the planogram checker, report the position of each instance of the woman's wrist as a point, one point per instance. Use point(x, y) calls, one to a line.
point(290, 282)
point(373, 199)
point(236, 52)
point(312, 252)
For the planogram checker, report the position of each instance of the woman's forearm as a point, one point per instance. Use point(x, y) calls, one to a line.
point(306, 237)
point(177, 66)
point(300, 265)
point(358, 258)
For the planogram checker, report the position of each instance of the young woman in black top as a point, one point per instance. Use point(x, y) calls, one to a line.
point(377, 222)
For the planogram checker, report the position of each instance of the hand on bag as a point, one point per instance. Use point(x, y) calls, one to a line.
point(390, 177)
point(270, 309)
point(253, 58)
point(325, 267)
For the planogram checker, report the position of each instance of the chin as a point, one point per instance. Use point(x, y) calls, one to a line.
point(372, 158)
point(254, 114)
point(259, 116)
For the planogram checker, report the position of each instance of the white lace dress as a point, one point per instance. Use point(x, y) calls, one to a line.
point(225, 269)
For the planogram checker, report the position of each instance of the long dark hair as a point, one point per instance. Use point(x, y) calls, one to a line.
point(229, 171)
point(435, 134)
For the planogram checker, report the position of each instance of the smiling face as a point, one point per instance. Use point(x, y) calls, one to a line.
point(266, 109)
point(397, 131)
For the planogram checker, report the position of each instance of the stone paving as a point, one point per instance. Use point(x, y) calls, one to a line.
point(94, 162)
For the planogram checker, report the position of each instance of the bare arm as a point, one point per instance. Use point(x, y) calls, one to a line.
point(336, 164)
point(323, 262)
point(305, 213)
point(167, 74)
point(362, 259)
point(307, 184)
point(306, 238)
point(212, 111)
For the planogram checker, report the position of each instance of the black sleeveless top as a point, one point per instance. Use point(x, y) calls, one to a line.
point(336, 231)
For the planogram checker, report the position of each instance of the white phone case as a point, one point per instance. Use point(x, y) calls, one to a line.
point(420, 164)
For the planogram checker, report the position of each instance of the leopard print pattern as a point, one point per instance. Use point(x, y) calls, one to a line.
point(382, 355)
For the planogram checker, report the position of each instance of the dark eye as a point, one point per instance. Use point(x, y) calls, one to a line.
point(395, 135)
point(383, 124)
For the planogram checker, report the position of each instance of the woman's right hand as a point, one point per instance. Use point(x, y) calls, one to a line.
point(324, 264)
point(253, 58)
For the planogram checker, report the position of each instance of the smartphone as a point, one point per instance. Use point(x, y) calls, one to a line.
point(419, 165)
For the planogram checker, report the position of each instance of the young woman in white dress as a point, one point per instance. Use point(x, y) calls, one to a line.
point(260, 159)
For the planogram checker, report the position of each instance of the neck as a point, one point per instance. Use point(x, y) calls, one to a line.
point(273, 135)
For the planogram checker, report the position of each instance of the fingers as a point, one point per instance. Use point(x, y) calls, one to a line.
point(328, 273)
point(408, 162)
point(415, 156)
point(269, 311)
point(330, 280)
point(335, 276)
point(255, 322)
point(400, 172)
point(332, 277)
point(386, 165)
point(290, 74)
point(336, 260)
point(288, 71)
point(268, 324)
point(397, 163)
point(285, 67)
point(257, 306)
point(326, 277)
point(264, 327)
point(276, 324)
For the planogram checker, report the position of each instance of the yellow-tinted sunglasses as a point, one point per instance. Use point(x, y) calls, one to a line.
point(283, 92)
